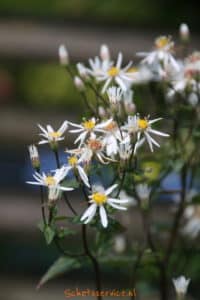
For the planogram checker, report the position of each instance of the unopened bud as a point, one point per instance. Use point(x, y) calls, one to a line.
point(104, 52)
point(120, 244)
point(82, 71)
point(79, 84)
point(184, 32)
point(63, 55)
point(102, 112)
point(34, 156)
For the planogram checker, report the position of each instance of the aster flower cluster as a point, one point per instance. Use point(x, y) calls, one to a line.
point(112, 158)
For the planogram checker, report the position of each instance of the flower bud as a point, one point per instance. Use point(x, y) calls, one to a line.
point(34, 156)
point(184, 32)
point(82, 71)
point(181, 286)
point(119, 244)
point(104, 52)
point(63, 55)
point(79, 84)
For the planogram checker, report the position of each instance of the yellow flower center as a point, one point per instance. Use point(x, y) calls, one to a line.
point(99, 198)
point(55, 134)
point(142, 124)
point(133, 70)
point(49, 180)
point(162, 42)
point(89, 125)
point(72, 160)
point(113, 71)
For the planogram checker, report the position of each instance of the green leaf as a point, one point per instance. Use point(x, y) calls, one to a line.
point(61, 265)
point(49, 234)
point(62, 232)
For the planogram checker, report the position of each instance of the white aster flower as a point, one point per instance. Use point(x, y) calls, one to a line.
point(111, 137)
point(115, 74)
point(98, 66)
point(99, 199)
point(51, 181)
point(86, 128)
point(50, 135)
point(181, 286)
point(186, 83)
point(74, 164)
point(143, 129)
point(94, 147)
point(161, 57)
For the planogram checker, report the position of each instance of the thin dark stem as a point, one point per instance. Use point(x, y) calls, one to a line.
point(43, 205)
point(93, 260)
point(57, 158)
point(134, 270)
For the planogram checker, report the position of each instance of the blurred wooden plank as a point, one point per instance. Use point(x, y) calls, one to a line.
point(25, 40)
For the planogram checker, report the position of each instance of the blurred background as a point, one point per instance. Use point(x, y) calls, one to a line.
point(34, 89)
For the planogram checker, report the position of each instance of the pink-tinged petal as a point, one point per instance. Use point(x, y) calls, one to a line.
point(50, 128)
point(103, 216)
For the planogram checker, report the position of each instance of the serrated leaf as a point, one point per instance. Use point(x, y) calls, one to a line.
point(61, 265)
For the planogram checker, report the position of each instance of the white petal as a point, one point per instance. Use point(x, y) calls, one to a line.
point(63, 127)
point(91, 210)
point(158, 132)
point(83, 175)
point(113, 200)
point(110, 189)
point(117, 206)
point(119, 60)
point(103, 215)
